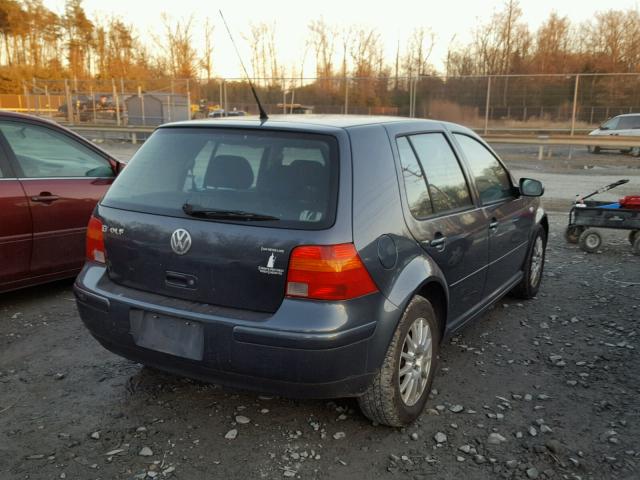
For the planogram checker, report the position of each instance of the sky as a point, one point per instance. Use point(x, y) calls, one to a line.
point(394, 20)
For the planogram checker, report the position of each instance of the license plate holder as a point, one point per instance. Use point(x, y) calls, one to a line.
point(166, 334)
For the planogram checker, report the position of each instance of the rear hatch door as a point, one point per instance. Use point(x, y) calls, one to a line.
point(211, 215)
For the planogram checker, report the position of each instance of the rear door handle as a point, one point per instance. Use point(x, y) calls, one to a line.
point(45, 197)
point(494, 224)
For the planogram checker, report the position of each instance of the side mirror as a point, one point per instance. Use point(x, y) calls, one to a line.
point(531, 188)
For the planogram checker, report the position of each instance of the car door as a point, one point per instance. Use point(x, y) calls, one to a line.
point(15, 227)
point(509, 215)
point(63, 179)
point(443, 218)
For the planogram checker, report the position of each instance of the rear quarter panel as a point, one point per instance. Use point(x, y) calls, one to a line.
point(378, 225)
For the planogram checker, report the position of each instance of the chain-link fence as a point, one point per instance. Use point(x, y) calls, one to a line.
point(571, 103)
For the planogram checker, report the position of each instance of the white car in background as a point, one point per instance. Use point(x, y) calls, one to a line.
point(627, 125)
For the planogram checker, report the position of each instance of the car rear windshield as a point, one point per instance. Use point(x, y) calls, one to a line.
point(267, 178)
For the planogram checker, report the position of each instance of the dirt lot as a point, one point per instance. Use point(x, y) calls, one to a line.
point(547, 388)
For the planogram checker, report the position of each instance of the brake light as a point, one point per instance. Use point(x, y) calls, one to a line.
point(95, 241)
point(332, 272)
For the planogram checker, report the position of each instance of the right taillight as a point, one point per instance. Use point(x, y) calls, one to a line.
point(95, 241)
point(328, 272)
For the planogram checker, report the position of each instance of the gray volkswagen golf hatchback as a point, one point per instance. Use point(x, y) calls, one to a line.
point(308, 257)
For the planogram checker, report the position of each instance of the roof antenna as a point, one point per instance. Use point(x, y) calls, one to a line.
point(263, 114)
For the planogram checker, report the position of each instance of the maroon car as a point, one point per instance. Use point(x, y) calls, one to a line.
point(50, 181)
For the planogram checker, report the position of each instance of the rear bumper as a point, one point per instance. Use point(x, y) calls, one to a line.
point(305, 349)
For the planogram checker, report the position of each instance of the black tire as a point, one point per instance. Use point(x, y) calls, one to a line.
point(530, 284)
point(382, 402)
point(633, 234)
point(635, 152)
point(636, 246)
point(572, 233)
point(590, 240)
point(592, 149)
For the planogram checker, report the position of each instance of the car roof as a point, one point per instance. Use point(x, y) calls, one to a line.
point(30, 118)
point(627, 115)
point(336, 121)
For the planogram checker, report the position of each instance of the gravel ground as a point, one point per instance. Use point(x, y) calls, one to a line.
point(546, 389)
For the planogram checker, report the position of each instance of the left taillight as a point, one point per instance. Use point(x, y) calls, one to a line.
point(95, 241)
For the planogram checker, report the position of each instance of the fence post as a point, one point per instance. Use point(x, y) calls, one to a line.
point(224, 86)
point(125, 113)
point(117, 100)
point(220, 93)
point(575, 104)
point(142, 113)
point(284, 98)
point(486, 107)
point(93, 104)
point(67, 94)
point(188, 101)
point(26, 96)
point(346, 95)
point(48, 97)
point(415, 94)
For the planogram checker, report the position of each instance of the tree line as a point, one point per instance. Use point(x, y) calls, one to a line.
point(36, 42)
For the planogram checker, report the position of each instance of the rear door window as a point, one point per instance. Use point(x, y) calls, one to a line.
point(628, 123)
point(491, 179)
point(447, 185)
point(414, 181)
point(291, 177)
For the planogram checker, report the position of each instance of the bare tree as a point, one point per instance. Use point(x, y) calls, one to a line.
point(419, 47)
point(181, 57)
point(206, 62)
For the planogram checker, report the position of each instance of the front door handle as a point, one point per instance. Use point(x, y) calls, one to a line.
point(494, 224)
point(439, 242)
point(45, 197)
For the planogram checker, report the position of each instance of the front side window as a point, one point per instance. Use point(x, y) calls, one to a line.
point(44, 153)
point(611, 124)
point(291, 178)
point(491, 179)
point(414, 182)
point(448, 188)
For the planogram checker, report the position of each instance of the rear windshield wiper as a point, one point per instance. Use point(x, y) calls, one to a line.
point(195, 211)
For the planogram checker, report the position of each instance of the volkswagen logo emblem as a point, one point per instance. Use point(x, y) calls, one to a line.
point(180, 241)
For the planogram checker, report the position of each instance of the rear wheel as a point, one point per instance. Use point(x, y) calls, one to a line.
point(635, 152)
point(572, 233)
point(590, 240)
point(400, 389)
point(533, 268)
point(633, 234)
point(592, 149)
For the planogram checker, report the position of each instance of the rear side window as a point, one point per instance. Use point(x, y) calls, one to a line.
point(492, 180)
point(448, 188)
point(292, 177)
point(414, 181)
point(44, 153)
point(628, 123)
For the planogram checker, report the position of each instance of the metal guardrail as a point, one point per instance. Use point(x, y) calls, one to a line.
point(608, 141)
point(613, 141)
